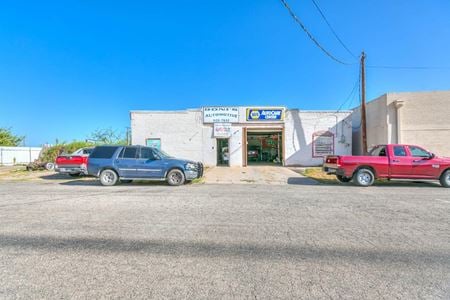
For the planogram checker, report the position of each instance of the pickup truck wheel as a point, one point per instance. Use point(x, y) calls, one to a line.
point(343, 179)
point(175, 177)
point(445, 179)
point(108, 177)
point(364, 177)
point(49, 166)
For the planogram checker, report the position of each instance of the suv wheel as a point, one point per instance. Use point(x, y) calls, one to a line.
point(175, 177)
point(364, 177)
point(445, 179)
point(108, 177)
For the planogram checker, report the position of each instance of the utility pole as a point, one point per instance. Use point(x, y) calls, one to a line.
point(363, 103)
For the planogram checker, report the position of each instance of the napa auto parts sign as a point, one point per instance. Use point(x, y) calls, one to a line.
point(221, 114)
point(265, 114)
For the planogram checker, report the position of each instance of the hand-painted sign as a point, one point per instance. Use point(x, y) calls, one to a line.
point(323, 143)
point(222, 130)
point(219, 114)
point(266, 114)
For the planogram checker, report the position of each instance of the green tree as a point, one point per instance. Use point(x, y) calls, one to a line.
point(107, 136)
point(7, 138)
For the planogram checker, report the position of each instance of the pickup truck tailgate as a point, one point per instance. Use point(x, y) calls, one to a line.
point(70, 160)
point(331, 164)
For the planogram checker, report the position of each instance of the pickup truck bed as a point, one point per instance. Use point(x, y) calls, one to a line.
point(74, 164)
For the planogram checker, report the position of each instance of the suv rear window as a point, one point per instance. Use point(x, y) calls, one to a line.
point(103, 152)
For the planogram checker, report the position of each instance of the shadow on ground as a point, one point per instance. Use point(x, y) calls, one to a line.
point(302, 181)
point(95, 182)
point(212, 249)
point(381, 183)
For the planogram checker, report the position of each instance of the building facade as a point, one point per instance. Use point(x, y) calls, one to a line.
point(241, 136)
point(418, 118)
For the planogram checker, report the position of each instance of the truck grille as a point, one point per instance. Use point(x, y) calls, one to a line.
point(200, 169)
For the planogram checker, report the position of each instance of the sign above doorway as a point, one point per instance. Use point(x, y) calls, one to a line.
point(222, 130)
point(220, 114)
point(265, 114)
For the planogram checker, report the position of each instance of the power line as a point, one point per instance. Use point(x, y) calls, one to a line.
point(355, 86)
point(332, 30)
point(313, 39)
point(408, 67)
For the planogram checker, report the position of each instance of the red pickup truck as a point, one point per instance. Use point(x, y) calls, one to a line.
point(391, 162)
point(74, 164)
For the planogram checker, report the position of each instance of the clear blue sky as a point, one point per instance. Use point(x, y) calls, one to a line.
point(70, 67)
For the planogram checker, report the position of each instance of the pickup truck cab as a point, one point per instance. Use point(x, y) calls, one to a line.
point(393, 161)
point(114, 164)
point(74, 164)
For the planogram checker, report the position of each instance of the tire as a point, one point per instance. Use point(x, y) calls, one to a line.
point(74, 174)
point(49, 166)
point(176, 177)
point(108, 177)
point(343, 179)
point(126, 181)
point(445, 179)
point(364, 177)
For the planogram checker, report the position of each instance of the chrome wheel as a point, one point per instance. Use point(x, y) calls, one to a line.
point(364, 177)
point(108, 177)
point(175, 177)
point(445, 179)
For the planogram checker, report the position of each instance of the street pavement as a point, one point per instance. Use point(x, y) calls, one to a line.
point(77, 239)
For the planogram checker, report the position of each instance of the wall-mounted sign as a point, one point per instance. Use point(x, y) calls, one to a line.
point(154, 143)
point(323, 143)
point(266, 114)
point(222, 130)
point(219, 114)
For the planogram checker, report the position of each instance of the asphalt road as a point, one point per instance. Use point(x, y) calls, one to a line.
point(81, 240)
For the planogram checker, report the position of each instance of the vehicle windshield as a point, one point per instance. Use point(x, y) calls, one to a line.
point(161, 153)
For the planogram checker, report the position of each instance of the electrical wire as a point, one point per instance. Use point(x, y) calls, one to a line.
point(355, 86)
point(312, 38)
point(331, 28)
point(408, 67)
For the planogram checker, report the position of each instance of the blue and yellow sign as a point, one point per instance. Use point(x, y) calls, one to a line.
point(265, 114)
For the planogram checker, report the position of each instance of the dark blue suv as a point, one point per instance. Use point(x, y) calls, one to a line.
point(113, 164)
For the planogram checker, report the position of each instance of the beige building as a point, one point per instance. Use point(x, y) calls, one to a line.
point(420, 118)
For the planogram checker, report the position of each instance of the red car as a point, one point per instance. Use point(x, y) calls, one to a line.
point(391, 162)
point(74, 164)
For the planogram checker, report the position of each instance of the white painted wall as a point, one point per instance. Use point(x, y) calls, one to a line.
point(184, 135)
point(300, 127)
point(18, 155)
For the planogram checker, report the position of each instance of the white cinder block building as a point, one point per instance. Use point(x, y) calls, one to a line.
point(241, 136)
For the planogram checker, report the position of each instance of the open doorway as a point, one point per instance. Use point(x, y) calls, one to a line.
point(223, 152)
point(264, 148)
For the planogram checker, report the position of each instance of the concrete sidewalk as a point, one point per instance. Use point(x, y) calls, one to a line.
point(273, 175)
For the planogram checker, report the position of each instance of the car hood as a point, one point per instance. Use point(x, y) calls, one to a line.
point(177, 160)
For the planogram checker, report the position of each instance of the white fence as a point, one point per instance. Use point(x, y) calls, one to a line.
point(18, 155)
